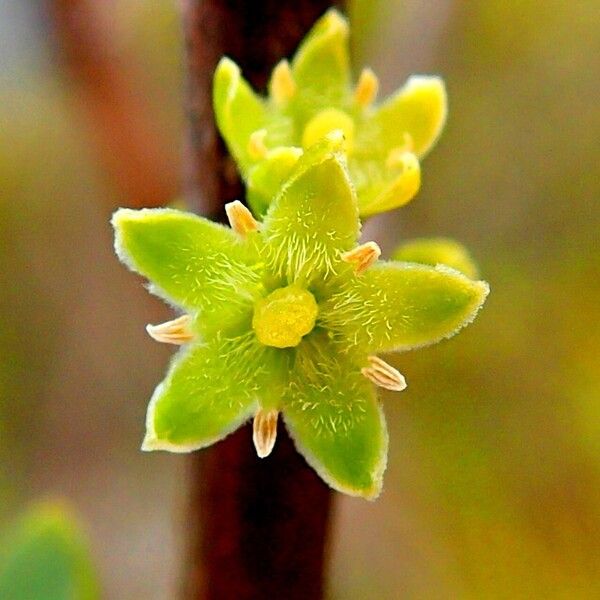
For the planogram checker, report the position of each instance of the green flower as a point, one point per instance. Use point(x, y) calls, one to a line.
point(314, 96)
point(287, 316)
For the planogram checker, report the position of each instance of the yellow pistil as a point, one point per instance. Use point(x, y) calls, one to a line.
point(363, 256)
point(384, 375)
point(366, 88)
point(284, 317)
point(240, 218)
point(264, 431)
point(256, 144)
point(326, 122)
point(283, 87)
point(177, 331)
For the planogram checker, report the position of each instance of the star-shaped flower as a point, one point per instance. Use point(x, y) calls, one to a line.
point(288, 316)
point(313, 96)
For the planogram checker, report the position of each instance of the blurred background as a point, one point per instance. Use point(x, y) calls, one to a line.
point(493, 484)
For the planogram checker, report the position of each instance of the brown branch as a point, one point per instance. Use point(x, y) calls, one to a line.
point(143, 167)
point(257, 527)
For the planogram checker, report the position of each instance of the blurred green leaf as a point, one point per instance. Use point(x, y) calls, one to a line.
point(47, 558)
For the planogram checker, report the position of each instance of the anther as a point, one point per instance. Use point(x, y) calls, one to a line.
point(264, 431)
point(240, 218)
point(177, 331)
point(363, 256)
point(283, 86)
point(256, 144)
point(399, 155)
point(384, 375)
point(366, 88)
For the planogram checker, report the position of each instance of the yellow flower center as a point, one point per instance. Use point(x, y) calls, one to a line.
point(283, 317)
point(325, 122)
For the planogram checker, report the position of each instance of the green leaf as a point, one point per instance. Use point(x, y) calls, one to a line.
point(419, 108)
point(190, 261)
point(334, 418)
point(314, 218)
point(321, 66)
point(268, 176)
point(437, 251)
point(239, 111)
point(47, 558)
point(210, 390)
point(399, 306)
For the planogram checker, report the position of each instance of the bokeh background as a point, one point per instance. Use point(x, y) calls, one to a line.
point(493, 484)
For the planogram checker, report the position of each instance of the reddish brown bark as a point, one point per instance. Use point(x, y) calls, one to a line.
point(257, 528)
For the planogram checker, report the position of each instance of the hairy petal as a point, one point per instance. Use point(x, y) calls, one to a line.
point(334, 418)
point(190, 261)
point(399, 306)
point(314, 218)
point(209, 391)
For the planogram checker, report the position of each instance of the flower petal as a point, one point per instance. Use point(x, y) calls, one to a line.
point(437, 251)
point(190, 261)
point(399, 306)
point(321, 66)
point(210, 390)
point(334, 418)
point(314, 218)
point(419, 108)
point(239, 111)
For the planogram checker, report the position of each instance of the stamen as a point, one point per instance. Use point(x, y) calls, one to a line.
point(240, 218)
point(256, 144)
point(264, 431)
point(363, 256)
point(283, 86)
point(398, 156)
point(177, 331)
point(366, 88)
point(384, 375)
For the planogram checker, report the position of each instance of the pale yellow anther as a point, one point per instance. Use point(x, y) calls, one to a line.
point(256, 144)
point(363, 256)
point(283, 86)
point(366, 88)
point(384, 375)
point(401, 155)
point(264, 431)
point(178, 331)
point(240, 218)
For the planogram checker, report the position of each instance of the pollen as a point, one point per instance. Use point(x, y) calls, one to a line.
point(284, 317)
point(177, 331)
point(256, 144)
point(384, 375)
point(363, 256)
point(366, 88)
point(264, 431)
point(283, 86)
point(324, 123)
point(240, 218)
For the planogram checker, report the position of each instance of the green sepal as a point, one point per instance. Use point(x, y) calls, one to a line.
point(210, 390)
point(46, 557)
point(400, 306)
point(321, 65)
point(335, 420)
point(314, 218)
point(238, 110)
point(419, 108)
point(190, 261)
point(438, 251)
point(268, 176)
